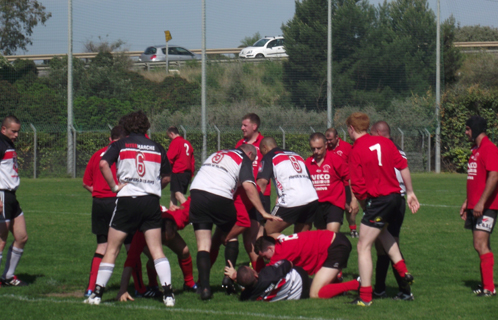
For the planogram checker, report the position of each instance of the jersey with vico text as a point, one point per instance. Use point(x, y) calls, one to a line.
point(181, 155)
point(484, 158)
point(93, 176)
point(307, 250)
point(257, 161)
point(288, 171)
point(275, 283)
point(223, 172)
point(140, 163)
point(9, 177)
point(328, 178)
point(371, 167)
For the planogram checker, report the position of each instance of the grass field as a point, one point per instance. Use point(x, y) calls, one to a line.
point(56, 263)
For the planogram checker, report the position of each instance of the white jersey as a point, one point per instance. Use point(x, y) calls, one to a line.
point(9, 177)
point(223, 172)
point(398, 174)
point(291, 178)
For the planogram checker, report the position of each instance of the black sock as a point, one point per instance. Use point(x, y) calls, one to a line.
point(232, 252)
point(381, 272)
point(204, 268)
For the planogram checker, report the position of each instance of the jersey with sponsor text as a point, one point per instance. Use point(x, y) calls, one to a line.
point(328, 178)
point(181, 155)
point(140, 163)
point(371, 167)
point(275, 283)
point(257, 161)
point(223, 172)
point(93, 176)
point(484, 159)
point(308, 249)
point(288, 171)
point(9, 177)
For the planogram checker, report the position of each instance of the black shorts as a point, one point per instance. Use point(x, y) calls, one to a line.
point(179, 181)
point(394, 226)
point(485, 223)
point(338, 252)
point(207, 209)
point(137, 213)
point(327, 213)
point(11, 207)
point(102, 210)
point(254, 214)
point(348, 194)
point(305, 294)
point(381, 210)
point(300, 214)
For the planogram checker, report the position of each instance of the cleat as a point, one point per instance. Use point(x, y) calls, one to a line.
point(379, 295)
point(228, 285)
point(152, 292)
point(361, 303)
point(186, 288)
point(206, 294)
point(486, 293)
point(96, 297)
point(404, 296)
point(13, 282)
point(168, 296)
point(88, 293)
point(340, 277)
point(479, 291)
point(354, 234)
point(408, 278)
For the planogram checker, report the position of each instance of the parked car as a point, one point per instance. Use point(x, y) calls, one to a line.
point(268, 47)
point(175, 53)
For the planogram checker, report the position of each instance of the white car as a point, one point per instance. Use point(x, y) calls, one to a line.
point(268, 47)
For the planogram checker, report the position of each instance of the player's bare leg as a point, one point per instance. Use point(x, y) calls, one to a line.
point(18, 229)
point(483, 248)
point(249, 237)
point(364, 247)
point(275, 228)
point(323, 277)
point(334, 226)
point(300, 227)
point(173, 200)
point(180, 197)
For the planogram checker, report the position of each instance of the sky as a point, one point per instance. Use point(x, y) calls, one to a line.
point(141, 23)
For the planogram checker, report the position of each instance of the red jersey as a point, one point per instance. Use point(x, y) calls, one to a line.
point(371, 166)
point(257, 161)
point(180, 216)
point(308, 249)
point(484, 159)
point(342, 148)
point(329, 178)
point(181, 155)
point(242, 206)
point(93, 176)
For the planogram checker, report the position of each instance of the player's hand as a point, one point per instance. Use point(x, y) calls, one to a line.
point(269, 217)
point(172, 207)
point(230, 271)
point(123, 297)
point(478, 209)
point(413, 203)
point(119, 187)
point(463, 210)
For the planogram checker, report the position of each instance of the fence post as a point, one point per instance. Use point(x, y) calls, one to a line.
point(110, 127)
point(184, 132)
point(74, 151)
point(344, 132)
point(312, 130)
point(149, 133)
point(428, 149)
point(34, 149)
point(402, 139)
point(219, 138)
point(283, 137)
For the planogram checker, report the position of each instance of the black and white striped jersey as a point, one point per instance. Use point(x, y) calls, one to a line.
point(9, 177)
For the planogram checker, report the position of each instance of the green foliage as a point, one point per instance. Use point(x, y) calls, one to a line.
point(479, 69)
point(476, 33)
point(452, 57)
point(249, 41)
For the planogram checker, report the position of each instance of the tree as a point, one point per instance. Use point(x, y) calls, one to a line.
point(476, 33)
point(452, 57)
point(249, 41)
point(17, 21)
point(103, 45)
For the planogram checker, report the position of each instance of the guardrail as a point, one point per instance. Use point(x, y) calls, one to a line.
point(477, 44)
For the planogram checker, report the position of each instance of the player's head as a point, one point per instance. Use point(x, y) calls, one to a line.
point(358, 123)
point(265, 247)
point(247, 277)
point(474, 126)
point(118, 132)
point(136, 122)
point(318, 145)
point(249, 150)
point(173, 132)
point(332, 138)
point(267, 144)
point(250, 125)
point(381, 128)
point(11, 127)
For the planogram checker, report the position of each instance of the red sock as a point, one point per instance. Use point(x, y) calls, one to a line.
point(334, 289)
point(187, 270)
point(138, 282)
point(152, 275)
point(213, 254)
point(353, 227)
point(487, 263)
point(366, 293)
point(401, 268)
point(94, 270)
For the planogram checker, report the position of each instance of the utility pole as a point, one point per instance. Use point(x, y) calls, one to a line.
point(203, 84)
point(438, 92)
point(329, 67)
point(70, 145)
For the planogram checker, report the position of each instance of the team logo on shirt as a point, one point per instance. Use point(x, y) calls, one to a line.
point(140, 163)
point(217, 158)
point(326, 168)
point(295, 164)
point(261, 165)
point(339, 152)
point(15, 164)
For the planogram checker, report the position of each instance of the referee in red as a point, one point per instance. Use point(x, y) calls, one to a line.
point(181, 156)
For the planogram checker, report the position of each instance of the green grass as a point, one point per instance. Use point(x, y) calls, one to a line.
point(57, 257)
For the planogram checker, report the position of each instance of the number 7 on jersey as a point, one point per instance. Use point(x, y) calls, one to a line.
point(376, 147)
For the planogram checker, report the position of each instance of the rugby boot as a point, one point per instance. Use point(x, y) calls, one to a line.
point(168, 296)
point(187, 288)
point(359, 302)
point(96, 297)
point(228, 285)
point(404, 296)
point(206, 294)
point(13, 282)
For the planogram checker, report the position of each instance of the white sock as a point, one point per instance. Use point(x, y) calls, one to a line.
point(105, 273)
point(12, 261)
point(163, 270)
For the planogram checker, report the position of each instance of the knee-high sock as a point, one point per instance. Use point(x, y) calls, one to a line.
point(487, 263)
point(163, 270)
point(381, 268)
point(401, 268)
point(12, 261)
point(204, 268)
point(231, 252)
point(94, 270)
point(366, 293)
point(105, 273)
point(334, 289)
point(187, 270)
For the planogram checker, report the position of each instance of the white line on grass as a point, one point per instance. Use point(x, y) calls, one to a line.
point(438, 205)
point(135, 307)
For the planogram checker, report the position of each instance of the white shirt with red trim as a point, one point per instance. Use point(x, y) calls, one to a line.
point(9, 177)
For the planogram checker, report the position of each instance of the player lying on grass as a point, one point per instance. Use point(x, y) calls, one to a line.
point(174, 219)
point(321, 253)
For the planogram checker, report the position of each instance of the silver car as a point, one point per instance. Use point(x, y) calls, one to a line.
point(175, 53)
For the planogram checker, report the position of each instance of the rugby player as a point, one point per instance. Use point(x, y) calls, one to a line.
point(373, 181)
point(181, 156)
point(479, 210)
point(12, 216)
